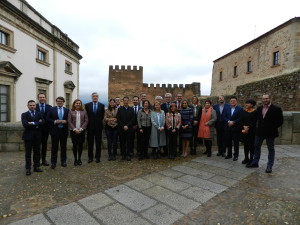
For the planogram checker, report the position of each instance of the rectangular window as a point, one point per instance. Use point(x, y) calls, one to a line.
point(4, 103)
point(4, 37)
point(276, 58)
point(68, 99)
point(221, 76)
point(68, 67)
point(41, 55)
point(235, 71)
point(249, 66)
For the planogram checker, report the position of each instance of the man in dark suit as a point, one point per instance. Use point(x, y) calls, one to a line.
point(165, 107)
point(178, 104)
point(269, 119)
point(220, 125)
point(136, 131)
point(232, 117)
point(95, 111)
point(31, 121)
point(125, 117)
point(43, 108)
point(57, 117)
point(197, 111)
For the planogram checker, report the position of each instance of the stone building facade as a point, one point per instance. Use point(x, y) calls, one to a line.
point(127, 81)
point(272, 54)
point(35, 57)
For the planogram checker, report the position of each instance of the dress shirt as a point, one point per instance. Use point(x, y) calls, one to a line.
point(221, 107)
point(232, 110)
point(265, 110)
point(77, 120)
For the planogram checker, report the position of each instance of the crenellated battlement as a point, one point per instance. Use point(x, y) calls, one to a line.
point(117, 68)
point(171, 86)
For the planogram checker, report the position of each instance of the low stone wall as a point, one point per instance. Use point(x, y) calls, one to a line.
point(11, 134)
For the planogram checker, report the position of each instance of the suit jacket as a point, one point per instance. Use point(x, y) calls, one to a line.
point(164, 107)
point(95, 120)
point(72, 117)
point(47, 109)
point(199, 111)
point(125, 117)
point(235, 117)
point(268, 127)
point(220, 121)
point(135, 115)
point(32, 130)
point(53, 115)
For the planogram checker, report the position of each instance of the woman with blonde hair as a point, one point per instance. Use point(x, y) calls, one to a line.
point(77, 122)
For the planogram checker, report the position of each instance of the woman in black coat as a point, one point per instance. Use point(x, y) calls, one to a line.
point(248, 124)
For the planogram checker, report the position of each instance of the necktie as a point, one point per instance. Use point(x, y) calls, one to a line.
point(168, 105)
point(95, 108)
point(60, 116)
point(135, 111)
point(179, 105)
point(32, 113)
point(42, 109)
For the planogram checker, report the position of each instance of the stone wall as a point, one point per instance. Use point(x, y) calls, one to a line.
point(11, 134)
point(285, 39)
point(127, 81)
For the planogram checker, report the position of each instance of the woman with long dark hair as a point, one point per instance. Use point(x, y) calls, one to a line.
point(77, 122)
point(186, 126)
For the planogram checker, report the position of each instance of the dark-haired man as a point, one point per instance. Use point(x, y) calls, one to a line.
point(43, 108)
point(58, 120)
point(31, 121)
point(135, 131)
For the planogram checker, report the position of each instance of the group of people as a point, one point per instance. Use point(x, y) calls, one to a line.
point(171, 128)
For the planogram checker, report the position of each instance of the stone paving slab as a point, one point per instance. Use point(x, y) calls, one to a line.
point(162, 215)
point(139, 184)
point(172, 199)
point(131, 198)
point(96, 201)
point(171, 173)
point(195, 165)
point(38, 219)
point(205, 184)
point(198, 194)
point(117, 214)
point(195, 172)
point(223, 181)
point(167, 182)
point(70, 214)
point(212, 162)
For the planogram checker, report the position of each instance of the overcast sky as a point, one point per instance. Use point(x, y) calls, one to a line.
point(175, 41)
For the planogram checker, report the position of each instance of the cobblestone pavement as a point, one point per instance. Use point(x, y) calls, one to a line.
point(196, 190)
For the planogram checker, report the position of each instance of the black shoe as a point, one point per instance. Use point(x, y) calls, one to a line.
point(113, 158)
point(235, 158)
point(90, 160)
point(252, 165)
point(269, 169)
point(75, 163)
point(79, 163)
point(128, 158)
point(45, 163)
point(204, 153)
point(37, 169)
point(28, 172)
point(110, 158)
point(98, 160)
point(53, 166)
point(209, 154)
point(228, 157)
point(223, 155)
point(140, 158)
point(123, 158)
point(219, 154)
point(245, 161)
point(63, 164)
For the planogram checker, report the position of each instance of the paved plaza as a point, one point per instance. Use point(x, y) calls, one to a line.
point(200, 191)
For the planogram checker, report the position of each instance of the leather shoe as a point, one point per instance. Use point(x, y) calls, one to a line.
point(45, 163)
point(269, 169)
point(90, 160)
point(235, 158)
point(252, 166)
point(245, 161)
point(128, 158)
point(204, 153)
point(223, 155)
point(219, 154)
point(53, 166)
point(79, 163)
point(37, 169)
point(123, 158)
point(28, 172)
point(228, 157)
point(97, 160)
point(64, 164)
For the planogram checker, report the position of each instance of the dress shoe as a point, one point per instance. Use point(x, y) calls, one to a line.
point(98, 160)
point(53, 166)
point(219, 154)
point(209, 154)
point(37, 169)
point(204, 153)
point(252, 165)
point(79, 163)
point(223, 155)
point(228, 157)
point(269, 169)
point(45, 163)
point(28, 172)
point(90, 160)
point(113, 158)
point(235, 158)
point(63, 164)
point(75, 163)
point(245, 161)
point(128, 158)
